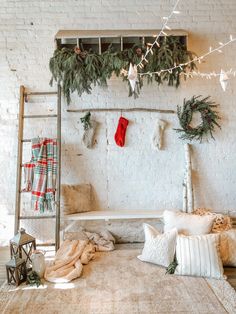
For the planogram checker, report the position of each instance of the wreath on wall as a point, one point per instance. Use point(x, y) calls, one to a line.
point(209, 118)
point(78, 70)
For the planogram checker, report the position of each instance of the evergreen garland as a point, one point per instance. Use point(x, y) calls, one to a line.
point(33, 279)
point(79, 70)
point(208, 115)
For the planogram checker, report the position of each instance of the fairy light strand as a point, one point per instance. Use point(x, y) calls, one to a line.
point(162, 32)
point(208, 75)
point(197, 59)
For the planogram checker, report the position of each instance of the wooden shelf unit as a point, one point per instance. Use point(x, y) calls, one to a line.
point(100, 40)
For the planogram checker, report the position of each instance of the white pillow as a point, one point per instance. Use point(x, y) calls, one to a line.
point(228, 247)
point(158, 248)
point(199, 256)
point(187, 224)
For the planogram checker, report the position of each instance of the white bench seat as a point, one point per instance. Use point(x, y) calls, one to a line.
point(116, 214)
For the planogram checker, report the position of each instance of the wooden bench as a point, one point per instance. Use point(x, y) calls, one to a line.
point(107, 215)
point(114, 215)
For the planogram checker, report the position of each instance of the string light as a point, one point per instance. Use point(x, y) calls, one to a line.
point(196, 59)
point(162, 32)
point(208, 75)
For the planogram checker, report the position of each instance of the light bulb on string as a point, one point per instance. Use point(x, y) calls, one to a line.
point(164, 33)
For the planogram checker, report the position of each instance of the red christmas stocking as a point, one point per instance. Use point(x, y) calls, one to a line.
point(120, 132)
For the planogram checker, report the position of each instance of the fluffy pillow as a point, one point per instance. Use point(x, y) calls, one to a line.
point(199, 256)
point(228, 247)
point(76, 198)
point(158, 248)
point(187, 224)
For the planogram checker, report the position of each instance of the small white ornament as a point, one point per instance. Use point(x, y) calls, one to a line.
point(132, 75)
point(223, 80)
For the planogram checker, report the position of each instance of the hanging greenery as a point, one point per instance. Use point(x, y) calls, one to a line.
point(209, 118)
point(79, 70)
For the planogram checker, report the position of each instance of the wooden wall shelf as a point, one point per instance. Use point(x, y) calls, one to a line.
point(100, 40)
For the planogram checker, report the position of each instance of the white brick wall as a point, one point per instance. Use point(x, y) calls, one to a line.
point(135, 177)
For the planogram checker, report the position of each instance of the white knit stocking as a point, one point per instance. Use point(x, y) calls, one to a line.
point(157, 139)
point(88, 137)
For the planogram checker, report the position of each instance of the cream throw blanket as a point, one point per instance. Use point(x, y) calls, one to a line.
point(73, 254)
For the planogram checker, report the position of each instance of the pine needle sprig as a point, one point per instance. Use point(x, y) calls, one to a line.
point(172, 267)
point(33, 279)
point(86, 121)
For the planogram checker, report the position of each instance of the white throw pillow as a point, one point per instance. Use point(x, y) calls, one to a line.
point(76, 198)
point(199, 256)
point(187, 224)
point(228, 247)
point(158, 248)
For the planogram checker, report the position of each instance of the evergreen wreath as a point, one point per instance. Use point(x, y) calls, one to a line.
point(208, 115)
point(78, 70)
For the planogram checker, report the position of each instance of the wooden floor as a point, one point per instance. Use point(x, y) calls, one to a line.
point(5, 256)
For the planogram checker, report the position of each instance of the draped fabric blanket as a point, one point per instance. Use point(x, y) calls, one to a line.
point(73, 254)
point(29, 176)
point(40, 173)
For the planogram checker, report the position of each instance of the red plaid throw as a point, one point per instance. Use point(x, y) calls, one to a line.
point(28, 175)
point(44, 157)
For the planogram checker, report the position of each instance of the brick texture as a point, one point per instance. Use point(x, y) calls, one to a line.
point(137, 176)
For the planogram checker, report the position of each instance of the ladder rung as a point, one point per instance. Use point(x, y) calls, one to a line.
point(40, 116)
point(26, 140)
point(46, 244)
point(40, 93)
point(37, 217)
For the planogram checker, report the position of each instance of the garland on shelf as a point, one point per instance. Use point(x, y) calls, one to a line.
point(208, 115)
point(78, 70)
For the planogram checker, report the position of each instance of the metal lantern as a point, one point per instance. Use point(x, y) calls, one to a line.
point(23, 245)
point(16, 271)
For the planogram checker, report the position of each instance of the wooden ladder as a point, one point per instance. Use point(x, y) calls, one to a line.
point(23, 99)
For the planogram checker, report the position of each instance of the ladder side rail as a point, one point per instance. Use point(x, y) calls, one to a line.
point(19, 159)
point(58, 188)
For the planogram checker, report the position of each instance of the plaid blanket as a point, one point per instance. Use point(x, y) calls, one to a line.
point(28, 175)
point(42, 180)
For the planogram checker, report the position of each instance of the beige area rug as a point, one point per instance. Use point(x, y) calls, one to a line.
point(117, 282)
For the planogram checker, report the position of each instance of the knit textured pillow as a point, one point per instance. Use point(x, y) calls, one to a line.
point(76, 198)
point(199, 256)
point(187, 224)
point(228, 247)
point(158, 248)
point(221, 222)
